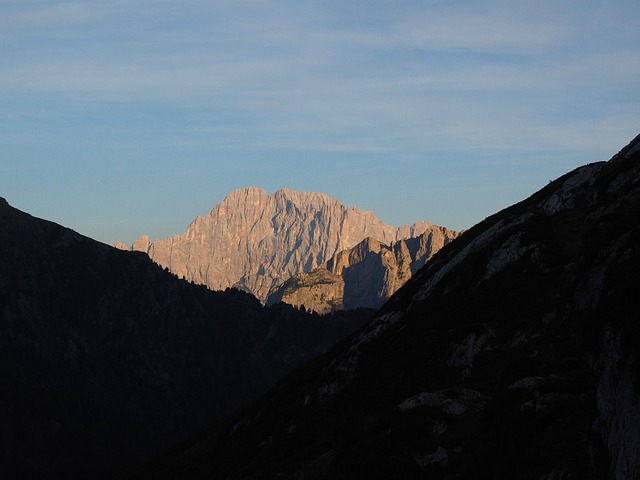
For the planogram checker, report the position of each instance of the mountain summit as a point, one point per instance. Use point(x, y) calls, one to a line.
point(256, 241)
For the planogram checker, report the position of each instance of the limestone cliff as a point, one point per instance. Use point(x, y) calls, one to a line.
point(256, 241)
point(364, 276)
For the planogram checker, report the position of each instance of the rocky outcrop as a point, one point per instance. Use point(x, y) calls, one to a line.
point(364, 276)
point(319, 290)
point(513, 354)
point(256, 241)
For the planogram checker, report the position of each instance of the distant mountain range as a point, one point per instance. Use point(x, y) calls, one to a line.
point(513, 354)
point(106, 359)
point(255, 241)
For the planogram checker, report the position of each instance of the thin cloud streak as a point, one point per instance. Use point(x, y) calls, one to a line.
point(491, 81)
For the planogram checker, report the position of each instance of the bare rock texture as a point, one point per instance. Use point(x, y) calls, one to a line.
point(364, 276)
point(256, 241)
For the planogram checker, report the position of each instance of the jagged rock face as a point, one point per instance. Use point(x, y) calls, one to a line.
point(319, 290)
point(513, 354)
point(364, 276)
point(106, 359)
point(257, 241)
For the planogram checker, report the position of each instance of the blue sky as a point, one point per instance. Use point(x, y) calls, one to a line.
point(125, 117)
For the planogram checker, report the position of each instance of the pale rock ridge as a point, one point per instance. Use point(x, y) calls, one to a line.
point(364, 276)
point(255, 241)
point(121, 246)
point(142, 244)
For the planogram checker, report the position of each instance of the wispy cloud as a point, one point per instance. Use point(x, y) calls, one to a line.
point(413, 79)
point(26, 17)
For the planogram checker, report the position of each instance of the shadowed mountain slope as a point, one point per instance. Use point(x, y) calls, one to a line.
point(513, 354)
point(105, 357)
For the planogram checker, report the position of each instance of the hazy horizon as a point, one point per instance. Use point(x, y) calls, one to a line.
point(127, 118)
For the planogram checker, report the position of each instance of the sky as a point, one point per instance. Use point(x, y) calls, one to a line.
point(124, 117)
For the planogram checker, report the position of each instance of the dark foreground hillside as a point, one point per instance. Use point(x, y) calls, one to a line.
point(106, 358)
point(514, 354)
